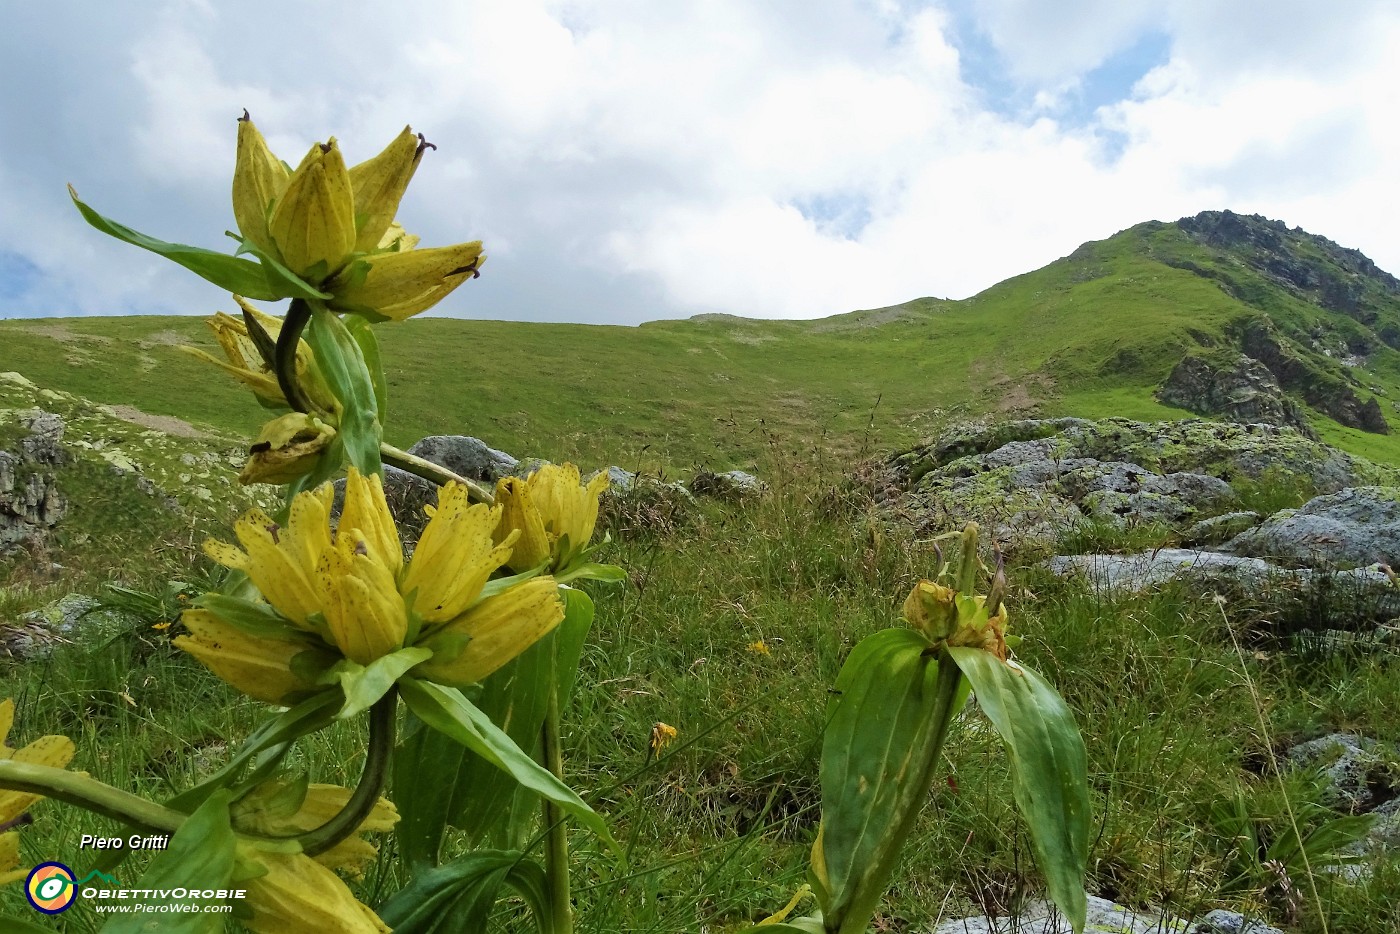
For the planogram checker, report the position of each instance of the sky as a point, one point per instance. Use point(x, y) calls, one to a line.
point(631, 160)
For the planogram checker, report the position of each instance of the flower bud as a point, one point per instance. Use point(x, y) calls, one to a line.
point(932, 609)
point(313, 223)
point(379, 184)
point(259, 179)
point(401, 284)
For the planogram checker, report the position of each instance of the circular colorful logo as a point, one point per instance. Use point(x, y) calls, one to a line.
point(51, 888)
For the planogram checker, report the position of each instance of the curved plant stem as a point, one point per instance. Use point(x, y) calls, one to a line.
point(89, 794)
point(288, 339)
point(433, 472)
point(556, 853)
point(382, 719)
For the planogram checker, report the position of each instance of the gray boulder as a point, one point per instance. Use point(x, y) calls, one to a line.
point(1353, 527)
point(1230, 922)
point(730, 485)
point(466, 456)
point(1031, 481)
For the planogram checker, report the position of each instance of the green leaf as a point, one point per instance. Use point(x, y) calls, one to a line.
point(278, 277)
point(312, 714)
point(448, 711)
point(346, 373)
point(251, 616)
point(365, 684)
point(360, 329)
point(879, 752)
point(458, 896)
point(239, 276)
point(588, 570)
point(200, 855)
point(1049, 769)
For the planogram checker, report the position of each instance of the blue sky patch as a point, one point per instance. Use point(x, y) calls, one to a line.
point(17, 275)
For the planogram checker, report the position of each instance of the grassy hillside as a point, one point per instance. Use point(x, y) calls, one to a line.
point(1092, 334)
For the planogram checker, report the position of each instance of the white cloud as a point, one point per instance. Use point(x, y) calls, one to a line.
point(627, 160)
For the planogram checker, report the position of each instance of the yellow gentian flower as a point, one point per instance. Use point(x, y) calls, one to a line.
point(299, 894)
point(288, 447)
point(352, 593)
point(261, 811)
point(551, 509)
point(494, 631)
point(335, 226)
point(247, 364)
point(52, 751)
point(259, 666)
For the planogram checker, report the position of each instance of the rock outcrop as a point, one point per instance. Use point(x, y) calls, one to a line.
point(1244, 391)
point(1351, 528)
point(30, 501)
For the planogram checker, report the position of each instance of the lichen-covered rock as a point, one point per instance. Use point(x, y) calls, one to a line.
point(1348, 765)
point(1243, 391)
point(1106, 917)
point(1031, 481)
point(1208, 571)
point(30, 501)
point(1353, 527)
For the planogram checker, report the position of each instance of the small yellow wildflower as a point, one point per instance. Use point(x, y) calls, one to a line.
point(759, 648)
point(662, 735)
point(247, 363)
point(53, 751)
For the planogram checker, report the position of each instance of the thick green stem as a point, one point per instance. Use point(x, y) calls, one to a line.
point(288, 340)
point(433, 472)
point(556, 854)
point(382, 719)
point(89, 794)
point(946, 689)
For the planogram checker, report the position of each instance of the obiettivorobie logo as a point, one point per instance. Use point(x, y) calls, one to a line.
point(52, 888)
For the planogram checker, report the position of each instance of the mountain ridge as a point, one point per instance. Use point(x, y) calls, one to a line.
point(1098, 332)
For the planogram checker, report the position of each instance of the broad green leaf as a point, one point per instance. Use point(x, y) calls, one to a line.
point(365, 684)
point(346, 373)
point(200, 855)
point(360, 329)
point(239, 276)
point(20, 926)
point(879, 751)
point(310, 715)
point(489, 804)
point(1049, 769)
point(458, 896)
point(809, 925)
point(448, 711)
point(589, 570)
point(427, 771)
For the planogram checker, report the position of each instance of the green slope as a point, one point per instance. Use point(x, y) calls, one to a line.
point(1092, 334)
